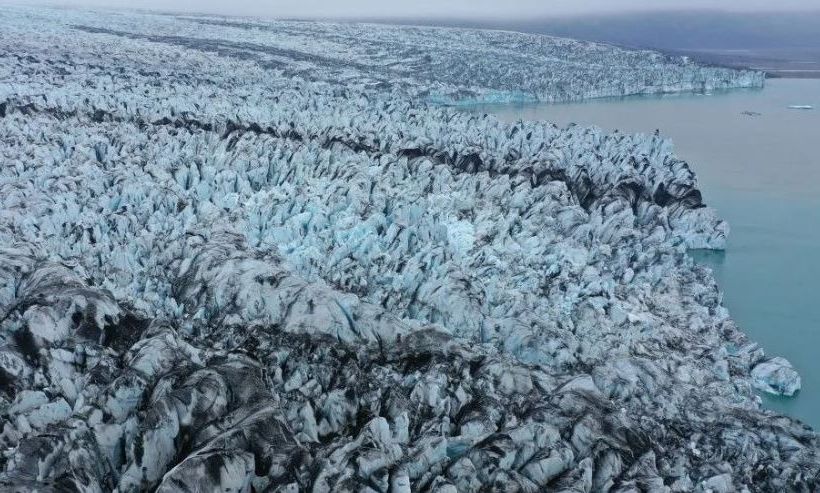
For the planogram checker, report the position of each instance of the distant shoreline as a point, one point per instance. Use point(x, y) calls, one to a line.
point(778, 64)
point(782, 44)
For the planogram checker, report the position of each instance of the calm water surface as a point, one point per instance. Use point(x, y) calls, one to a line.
point(762, 173)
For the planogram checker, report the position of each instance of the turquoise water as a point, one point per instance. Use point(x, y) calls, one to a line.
point(762, 174)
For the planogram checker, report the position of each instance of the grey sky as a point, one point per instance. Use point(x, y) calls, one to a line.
point(434, 8)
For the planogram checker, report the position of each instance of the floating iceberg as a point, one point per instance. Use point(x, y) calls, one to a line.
point(776, 376)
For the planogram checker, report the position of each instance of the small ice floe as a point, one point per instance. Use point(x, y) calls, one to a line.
point(776, 376)
point(801, 107)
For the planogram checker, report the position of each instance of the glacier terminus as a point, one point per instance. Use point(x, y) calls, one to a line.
point(248, 255)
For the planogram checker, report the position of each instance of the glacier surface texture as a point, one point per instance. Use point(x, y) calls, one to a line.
point(240, 255)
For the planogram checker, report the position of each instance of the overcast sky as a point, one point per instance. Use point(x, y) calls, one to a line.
point(433, 8)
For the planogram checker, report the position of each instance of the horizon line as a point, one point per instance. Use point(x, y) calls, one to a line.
point(400, 17)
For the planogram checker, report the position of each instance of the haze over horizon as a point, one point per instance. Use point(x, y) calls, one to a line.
point(469, 9)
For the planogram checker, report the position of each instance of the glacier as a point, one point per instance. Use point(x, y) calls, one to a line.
point(249, 255)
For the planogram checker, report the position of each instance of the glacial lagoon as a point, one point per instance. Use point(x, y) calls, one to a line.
point(758, 164)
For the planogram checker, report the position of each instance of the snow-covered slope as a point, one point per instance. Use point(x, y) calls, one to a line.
point(255, 253)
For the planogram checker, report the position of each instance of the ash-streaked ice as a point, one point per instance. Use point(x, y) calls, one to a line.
point(245, 255)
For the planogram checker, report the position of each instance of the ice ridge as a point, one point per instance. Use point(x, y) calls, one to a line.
point(253, 256)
